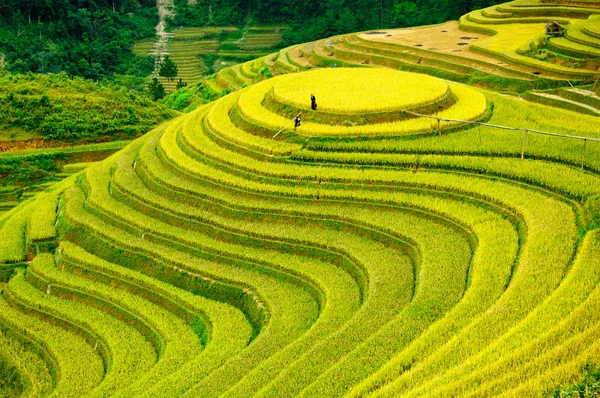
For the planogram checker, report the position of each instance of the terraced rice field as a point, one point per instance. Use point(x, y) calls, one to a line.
point(68, 161)
point(188, 46)
point(502, 48)
point(261, 38)
point(227, 253)
point(526, 20)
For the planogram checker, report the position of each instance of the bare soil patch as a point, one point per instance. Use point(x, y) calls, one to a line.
point(444, 38)
point(297, 55)
point(26, 145)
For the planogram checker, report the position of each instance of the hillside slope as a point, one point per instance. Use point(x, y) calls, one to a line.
point(48, 122)
point(90, 39)
point(503, 48)
point(369, 251)
point(58, 108)
point(405, 236)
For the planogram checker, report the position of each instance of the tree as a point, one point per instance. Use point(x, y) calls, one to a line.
point(157, 90)
point(180, 84)
point(404, 13)
point(168, 69)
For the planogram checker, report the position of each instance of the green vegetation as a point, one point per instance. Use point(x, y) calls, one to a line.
point(311, 19)
point(75, 110)
point(11, 383)
point(29, 170)
point(441, 239)
point(215, 13)
point(586, 388)
point(25, 173)
point(91, 39)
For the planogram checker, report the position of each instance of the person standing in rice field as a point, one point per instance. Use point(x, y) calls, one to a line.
point(297, 121)
point(313, 102)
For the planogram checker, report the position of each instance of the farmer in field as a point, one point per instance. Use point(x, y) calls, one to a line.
point(313, 102)
point(297, 121)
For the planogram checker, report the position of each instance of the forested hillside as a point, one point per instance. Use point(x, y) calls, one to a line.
point(56, 107)
point(312, 19)
point(93, 38)
point(89, 38)
point(328, 16)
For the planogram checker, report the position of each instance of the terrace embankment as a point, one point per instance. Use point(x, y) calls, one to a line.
point(373, 249)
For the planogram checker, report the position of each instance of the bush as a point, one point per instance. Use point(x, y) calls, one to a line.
point(45, 100)
point(63, 108)
point(178, 102)
point(587, 388)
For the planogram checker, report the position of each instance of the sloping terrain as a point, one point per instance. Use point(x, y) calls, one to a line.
point(411, 236)
point(363, 252)
point(49, 121)
point(502, 48)
point(202, 51)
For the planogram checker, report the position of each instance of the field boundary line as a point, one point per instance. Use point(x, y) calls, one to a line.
point(523, 129)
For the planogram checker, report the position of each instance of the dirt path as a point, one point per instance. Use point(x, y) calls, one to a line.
point(161, 47)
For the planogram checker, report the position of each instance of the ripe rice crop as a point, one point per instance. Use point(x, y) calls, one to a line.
point(13, 236)
point(76, 363)
point(358, 90)
point(226, 253)
point(470, 105)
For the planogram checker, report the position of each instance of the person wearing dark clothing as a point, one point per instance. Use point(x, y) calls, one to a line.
point(313, 102)
point(297, 121)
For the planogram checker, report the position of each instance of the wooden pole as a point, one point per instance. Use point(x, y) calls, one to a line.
point(524, 142)
point(583, 154)
point(279, 132)
point(479, 130)
point(438, 122)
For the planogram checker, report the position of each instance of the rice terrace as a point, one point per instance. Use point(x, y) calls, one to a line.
point(431, 229)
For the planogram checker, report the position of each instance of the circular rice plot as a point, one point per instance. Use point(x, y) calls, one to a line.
point(359, 102)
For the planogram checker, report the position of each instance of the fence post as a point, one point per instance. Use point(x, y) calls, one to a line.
point(583, 153)
point(438, 121)
point(524, 142)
